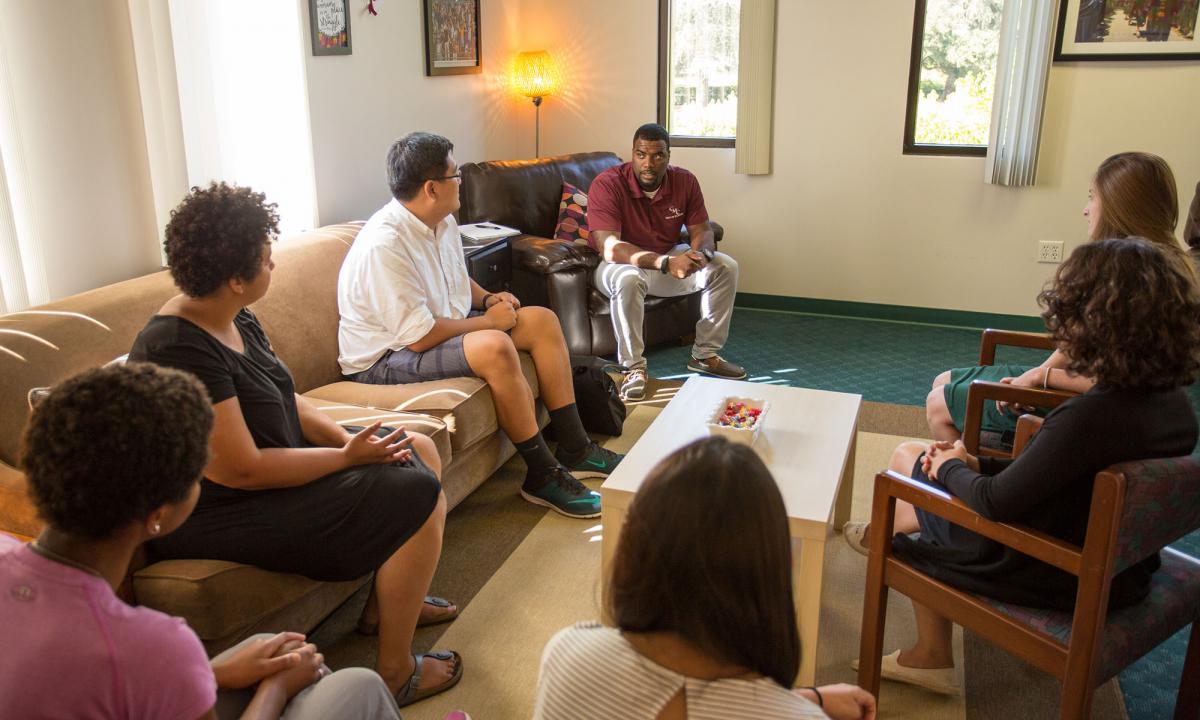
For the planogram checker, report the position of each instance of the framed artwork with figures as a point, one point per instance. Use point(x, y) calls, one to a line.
point(330, 23)
point(452, 37)
point(1127, 30)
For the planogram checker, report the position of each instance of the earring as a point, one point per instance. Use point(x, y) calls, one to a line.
point(157, 527)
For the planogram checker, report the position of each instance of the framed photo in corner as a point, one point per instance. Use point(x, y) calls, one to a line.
point(452, 44)
point(330, 23)
point(1127, 30)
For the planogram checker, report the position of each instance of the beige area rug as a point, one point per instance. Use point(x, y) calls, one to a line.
point(521, 574)
point(552, 581)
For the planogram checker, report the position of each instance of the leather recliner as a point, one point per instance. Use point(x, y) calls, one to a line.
point(525, 194)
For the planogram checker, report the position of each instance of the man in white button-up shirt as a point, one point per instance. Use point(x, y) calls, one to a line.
point(410, 313)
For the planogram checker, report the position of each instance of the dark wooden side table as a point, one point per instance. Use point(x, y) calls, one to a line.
point(490, 266)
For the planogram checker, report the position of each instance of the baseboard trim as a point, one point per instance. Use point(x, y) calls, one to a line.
point(890, 313)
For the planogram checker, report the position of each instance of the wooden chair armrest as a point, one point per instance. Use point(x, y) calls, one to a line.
point(982, 390)
point(1027, 427)
point(1048, 549)
point(991, 338)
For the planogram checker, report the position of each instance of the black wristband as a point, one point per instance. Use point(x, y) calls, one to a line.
point(820, 700)
point(483, 302)
point(664, 263)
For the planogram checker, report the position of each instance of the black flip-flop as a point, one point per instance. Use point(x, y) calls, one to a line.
point(411, 692)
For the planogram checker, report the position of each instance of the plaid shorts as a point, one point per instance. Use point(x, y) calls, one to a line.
point(397, 367)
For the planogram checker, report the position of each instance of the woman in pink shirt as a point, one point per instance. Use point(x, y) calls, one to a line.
point(113, 458)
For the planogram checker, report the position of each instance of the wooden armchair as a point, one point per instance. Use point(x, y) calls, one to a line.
point(979, 442)
point(1137, 509)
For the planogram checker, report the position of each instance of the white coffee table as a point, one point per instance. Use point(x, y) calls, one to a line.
point(807, 441)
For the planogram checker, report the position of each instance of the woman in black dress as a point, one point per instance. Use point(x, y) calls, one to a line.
point(286, 488)
point(1124, 312)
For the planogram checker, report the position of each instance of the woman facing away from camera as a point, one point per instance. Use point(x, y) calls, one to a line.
point(1132, 194)
point(113, 458)
point(701, 597)
point(287, 489)
point(1124, 312)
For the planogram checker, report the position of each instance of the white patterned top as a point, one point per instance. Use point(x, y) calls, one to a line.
point(592, 672)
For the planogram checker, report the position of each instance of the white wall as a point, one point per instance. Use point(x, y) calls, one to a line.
point(361, 102)
point(78, 116)
point(846, 216)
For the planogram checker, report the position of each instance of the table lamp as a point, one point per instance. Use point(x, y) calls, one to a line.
point(535, 75)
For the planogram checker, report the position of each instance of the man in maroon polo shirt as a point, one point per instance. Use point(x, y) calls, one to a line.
point(635, 213)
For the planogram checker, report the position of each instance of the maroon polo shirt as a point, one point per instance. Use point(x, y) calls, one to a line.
point(616, 202)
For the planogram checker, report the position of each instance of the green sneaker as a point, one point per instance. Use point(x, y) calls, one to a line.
point(561, 492)
point(593, 462)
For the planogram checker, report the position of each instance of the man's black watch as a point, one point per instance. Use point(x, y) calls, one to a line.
point(663, 263)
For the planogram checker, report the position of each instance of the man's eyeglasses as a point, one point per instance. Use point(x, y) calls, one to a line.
point(455, 176)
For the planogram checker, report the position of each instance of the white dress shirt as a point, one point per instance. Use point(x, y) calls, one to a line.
point(398, 277)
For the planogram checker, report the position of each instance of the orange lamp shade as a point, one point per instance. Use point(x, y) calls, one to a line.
point(535, 74)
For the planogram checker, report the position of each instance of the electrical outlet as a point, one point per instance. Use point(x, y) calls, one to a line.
point(1050, 251)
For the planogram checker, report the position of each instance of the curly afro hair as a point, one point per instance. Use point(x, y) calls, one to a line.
point(1124, 311)
point(218, 233)
point(112, 444)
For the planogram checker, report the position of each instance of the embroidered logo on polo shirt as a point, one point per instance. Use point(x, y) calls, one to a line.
point(673, 213)
point(23, 593)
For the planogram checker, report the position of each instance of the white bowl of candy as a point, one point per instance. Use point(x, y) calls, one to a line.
point(738, 419)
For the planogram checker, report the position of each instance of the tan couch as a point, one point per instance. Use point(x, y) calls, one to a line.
point(224, 601)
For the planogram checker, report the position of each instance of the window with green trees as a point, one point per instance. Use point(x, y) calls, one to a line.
point(698, 70)
point(952, 76)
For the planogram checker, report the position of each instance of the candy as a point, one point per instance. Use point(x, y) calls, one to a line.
point(737, 415)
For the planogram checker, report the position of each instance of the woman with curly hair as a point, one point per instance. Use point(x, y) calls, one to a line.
point(113, 458)
point(704, 628)
point(1132, 195)
point(1124, 312)
point(287, 489)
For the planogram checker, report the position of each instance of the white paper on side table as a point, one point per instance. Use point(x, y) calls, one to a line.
point(474, 233)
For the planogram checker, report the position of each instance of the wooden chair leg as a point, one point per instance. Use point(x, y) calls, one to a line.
point(1187, 702)
point(870, 649)
point(1076, 699)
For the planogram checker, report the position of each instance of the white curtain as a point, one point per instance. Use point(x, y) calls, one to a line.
point(96, 143)
point(22, 266)
point(756, 87)
point(244, 100)
point(150, 27)
point(1022, 68)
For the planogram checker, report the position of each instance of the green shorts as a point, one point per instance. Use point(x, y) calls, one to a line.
point(956, 396)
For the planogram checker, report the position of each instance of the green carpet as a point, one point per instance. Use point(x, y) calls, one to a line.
point(886, 362)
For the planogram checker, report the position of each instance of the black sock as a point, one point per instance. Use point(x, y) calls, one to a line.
point(536, 454)
point(568, 428)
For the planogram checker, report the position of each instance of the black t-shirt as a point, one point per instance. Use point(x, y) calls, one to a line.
point(257, 377)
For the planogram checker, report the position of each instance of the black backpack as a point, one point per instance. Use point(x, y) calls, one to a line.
point(596, 395)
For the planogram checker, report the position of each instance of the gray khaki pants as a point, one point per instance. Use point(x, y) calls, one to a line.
point(349, 693)
point(627, 286)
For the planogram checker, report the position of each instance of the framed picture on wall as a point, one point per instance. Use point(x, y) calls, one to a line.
point(1127, 30)
point(330, 23)
point(452, 37)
